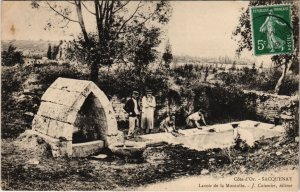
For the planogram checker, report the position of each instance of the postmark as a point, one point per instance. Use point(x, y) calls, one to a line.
point(271, 28)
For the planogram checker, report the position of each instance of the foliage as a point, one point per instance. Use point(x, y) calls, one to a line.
point(290, 86)
point(11, 56)
point(292, 127)
point(123, 82)
point(167, 55)
point(55, 52)
point(15, 103)
point(49, 52)
point(186, 73)
point(143, 53)
point(124, 30)
point(233, 67)
point(222, 103)
point(263, 81)
point(48, 74)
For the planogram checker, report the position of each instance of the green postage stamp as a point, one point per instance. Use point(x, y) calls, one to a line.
point(271, 29)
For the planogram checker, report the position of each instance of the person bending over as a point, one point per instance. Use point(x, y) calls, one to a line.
point(194, 119)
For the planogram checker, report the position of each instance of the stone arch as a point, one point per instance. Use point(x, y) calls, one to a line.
point(59, 114)
point(90, 123)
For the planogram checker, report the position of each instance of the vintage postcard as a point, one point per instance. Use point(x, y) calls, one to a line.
point(109, 95)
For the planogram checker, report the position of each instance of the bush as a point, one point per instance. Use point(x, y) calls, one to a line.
point(49, 73)
point(15, 104)
point(290, 85)
point(186, 73)
point(123, 82)
point(227, 78)
point(11, 79)
point(12, 57)
point(264, 81)
point(223, 103)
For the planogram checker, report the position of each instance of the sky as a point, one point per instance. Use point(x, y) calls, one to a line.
point(204, 28)
point(196, 28)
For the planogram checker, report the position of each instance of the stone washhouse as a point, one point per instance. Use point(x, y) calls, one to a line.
point(76, 118)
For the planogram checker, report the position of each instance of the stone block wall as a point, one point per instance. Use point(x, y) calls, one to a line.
point(270, 106)
point(267, 106)
point(118, 106)
point(69, 105)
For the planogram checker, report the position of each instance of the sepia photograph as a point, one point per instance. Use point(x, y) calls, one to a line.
point(157, 95)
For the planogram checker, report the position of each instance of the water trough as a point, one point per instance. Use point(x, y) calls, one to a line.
point(222, 137)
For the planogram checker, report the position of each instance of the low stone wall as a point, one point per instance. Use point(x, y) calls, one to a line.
point(270, 106)
point(118, 106)
point(267, 107)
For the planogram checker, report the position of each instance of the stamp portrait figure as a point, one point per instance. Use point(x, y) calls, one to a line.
point(269, 27)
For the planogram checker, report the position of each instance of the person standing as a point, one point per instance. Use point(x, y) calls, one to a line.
point(133, 110)
point(148, 107)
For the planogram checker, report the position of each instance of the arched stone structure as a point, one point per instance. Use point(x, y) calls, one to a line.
point(69, 105)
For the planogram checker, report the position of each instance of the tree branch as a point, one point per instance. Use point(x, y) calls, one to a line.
point(88, 9)
point(71, 2)
point(106, 8)
point(125, 22)
point(65, 25)
point(121, 7)
point(101, 9)
point(60, 14)
point(140, 24)
point(81, 21)
point(110, 18)
point(97, 11)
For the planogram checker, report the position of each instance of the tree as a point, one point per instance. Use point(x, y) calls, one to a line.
point(141, 52)
point(253, 66)
point(167, 55)
point(12, 57)
point(49, 52)
point(261, 65)
point(55, 52)
point(111, 40)
point(243, 30)
point(206, 73)
point(233, 67)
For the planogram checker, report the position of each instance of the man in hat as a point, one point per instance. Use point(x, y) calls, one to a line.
point(133, 110)
point(148, 106)
point(193, 119)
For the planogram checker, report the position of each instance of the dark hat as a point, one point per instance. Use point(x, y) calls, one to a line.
point(148, 91)
point(135, 92)
point(234, 125)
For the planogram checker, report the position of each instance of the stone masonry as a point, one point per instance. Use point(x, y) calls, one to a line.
point(271, 106)
point(58, 112)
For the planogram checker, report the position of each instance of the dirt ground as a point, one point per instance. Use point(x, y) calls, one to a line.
point(206, 182)
point(158, 164)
